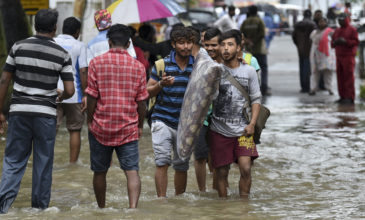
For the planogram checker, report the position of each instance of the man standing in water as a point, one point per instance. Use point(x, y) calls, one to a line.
point(99, 44)
point(116, 109)
point(301, 38)
point(74, 107)
point(231, 135)
point(345, 41)
point(253, 29)
point(35, 64)
point(170, 90)
point(201, 150)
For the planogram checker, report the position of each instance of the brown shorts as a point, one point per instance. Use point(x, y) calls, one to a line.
point(226, 150)
point(74, 117)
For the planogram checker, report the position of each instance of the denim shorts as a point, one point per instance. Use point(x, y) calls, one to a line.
point(101, 155)
point(164, 143)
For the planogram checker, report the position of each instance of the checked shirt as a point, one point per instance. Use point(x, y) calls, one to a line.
point(118, 82)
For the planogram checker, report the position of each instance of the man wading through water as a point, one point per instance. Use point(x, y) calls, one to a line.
point(170, 90)
point(231, 135)
point(116, 123)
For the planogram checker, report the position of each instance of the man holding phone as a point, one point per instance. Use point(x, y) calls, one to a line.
point(170, 90)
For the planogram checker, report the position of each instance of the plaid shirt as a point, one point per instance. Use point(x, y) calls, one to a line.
point(118, 82)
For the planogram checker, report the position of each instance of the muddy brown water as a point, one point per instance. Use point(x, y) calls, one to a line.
point(311, 166)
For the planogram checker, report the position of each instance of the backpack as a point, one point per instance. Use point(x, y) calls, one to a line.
point(248, 58)
point(160, 68)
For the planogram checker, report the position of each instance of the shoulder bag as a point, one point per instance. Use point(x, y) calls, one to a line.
point(264, 112)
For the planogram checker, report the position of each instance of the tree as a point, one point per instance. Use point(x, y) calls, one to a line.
point(15, 22)
point(14, 26)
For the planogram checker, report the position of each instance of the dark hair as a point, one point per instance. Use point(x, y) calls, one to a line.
point(204, 28)
point(178, 33)
point(71, 25)
point(147, 32)
point(318, 11)
point(307, 13)
point(211, 33)
point(178, 25)
point(252, 10)
point(231, 8)
point(132, 30)
point(46, 21)
point(119, 34)
point(196, 34)
point(233, 33)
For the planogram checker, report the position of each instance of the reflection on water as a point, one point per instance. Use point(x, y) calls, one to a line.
point(311, 166)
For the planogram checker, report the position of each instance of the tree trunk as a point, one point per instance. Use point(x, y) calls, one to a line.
point(15, 22)
point(14, 26)
point(79, 8)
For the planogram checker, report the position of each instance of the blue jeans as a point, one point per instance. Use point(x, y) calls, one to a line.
point(101, 155)
point(24, 132)
point(304, 73)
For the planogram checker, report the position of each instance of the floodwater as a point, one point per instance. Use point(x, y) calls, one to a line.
point(311, 166)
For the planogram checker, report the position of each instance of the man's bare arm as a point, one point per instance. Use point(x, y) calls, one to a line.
point(4, 85)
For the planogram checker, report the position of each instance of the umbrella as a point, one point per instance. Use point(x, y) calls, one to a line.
point(138, 11)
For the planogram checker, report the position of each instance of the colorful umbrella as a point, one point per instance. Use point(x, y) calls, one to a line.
point(138, 11)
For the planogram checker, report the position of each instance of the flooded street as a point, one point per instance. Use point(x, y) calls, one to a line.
point(311, 166)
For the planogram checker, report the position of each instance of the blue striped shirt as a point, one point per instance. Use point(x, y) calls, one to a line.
point(169, 100)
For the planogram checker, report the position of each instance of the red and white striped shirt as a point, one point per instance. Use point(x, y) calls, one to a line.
point(118, 82)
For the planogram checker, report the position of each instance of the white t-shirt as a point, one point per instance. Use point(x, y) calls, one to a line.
point(77, 51)
point(225, 23)
point(227, 118)
point(99, 45)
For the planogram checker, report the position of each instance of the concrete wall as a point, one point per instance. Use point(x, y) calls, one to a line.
point(65, 9)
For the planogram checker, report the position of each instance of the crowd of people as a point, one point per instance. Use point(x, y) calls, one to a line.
point(324, 50)
point(113, 76)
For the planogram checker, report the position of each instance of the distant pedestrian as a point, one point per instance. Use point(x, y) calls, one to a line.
point(322, 57)
point(331, 16)
point(74, 107)
point(115, 113)
point(99, 44)
point(169, 89)
point(347, 9)
point(318, 14)
point(254, 30)
point(249, 58)
point(270, 29)
point(301, 38)
point(34, 64)
point(345, 41)
point(227, 21)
